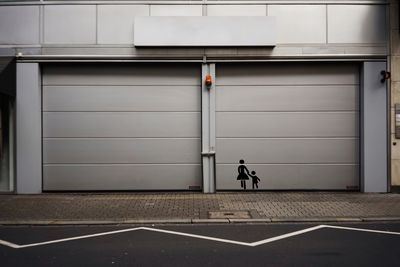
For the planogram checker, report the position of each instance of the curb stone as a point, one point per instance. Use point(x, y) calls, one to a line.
point(266, 220)
point(157, 221)
point(197, 221)
point(372, 219)
point(316, 219)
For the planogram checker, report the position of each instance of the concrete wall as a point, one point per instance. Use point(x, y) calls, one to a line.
point(316, 29)
point(395, 87)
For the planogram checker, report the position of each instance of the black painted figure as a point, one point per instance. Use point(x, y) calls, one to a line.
point(243, 174)
point(255, 179)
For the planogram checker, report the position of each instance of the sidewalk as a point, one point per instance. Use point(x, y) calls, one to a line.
point(232, 207)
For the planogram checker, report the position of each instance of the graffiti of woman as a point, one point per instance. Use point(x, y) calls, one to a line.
point(243, 174)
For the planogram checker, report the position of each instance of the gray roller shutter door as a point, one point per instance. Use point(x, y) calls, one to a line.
point(121, 127)
point(295, 124)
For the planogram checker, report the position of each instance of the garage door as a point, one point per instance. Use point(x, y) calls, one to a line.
point(121, 127)
point(295, 125)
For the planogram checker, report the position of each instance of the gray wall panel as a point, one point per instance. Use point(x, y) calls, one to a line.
point(374, 135)
point(70, 24)
point(287, 98)
point(356, 23)
point(115, 22)
point(287, 124)
point(28, 129)
point(121, 98)
point(176, 10)
point(300, 23)
point(285, 74)
point(121, 150)
point(287, 150)
point(236, 10)
point(19, 25)
point(121, 124)
point(121, 177)
point(117, 74)
point(325, 177)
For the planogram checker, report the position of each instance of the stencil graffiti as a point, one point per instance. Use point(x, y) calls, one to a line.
point(244, 174)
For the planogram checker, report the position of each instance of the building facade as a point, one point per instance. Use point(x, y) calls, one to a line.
point(198, 95)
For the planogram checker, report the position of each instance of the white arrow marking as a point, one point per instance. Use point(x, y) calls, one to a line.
point(251, 244)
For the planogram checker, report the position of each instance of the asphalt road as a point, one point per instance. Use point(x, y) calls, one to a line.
point(201, 245)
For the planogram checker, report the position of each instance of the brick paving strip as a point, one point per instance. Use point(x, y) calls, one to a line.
point(232, 207)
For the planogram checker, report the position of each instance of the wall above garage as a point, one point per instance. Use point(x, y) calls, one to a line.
point(304, 28)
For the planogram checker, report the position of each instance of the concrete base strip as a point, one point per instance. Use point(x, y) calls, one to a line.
point(375, 219)
point(266, 220)
point(316, 219)
point(361, 230)
point(200, 221)
point(248, 244)
point(210, 220)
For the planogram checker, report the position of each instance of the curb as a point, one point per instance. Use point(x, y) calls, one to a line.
point(203, 221)
point(318, 219)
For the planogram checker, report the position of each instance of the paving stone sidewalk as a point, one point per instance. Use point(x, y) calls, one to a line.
point(197, 207)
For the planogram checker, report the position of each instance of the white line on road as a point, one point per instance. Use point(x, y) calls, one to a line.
point(199, 236)
point(6, 243)
point(251, 244)
point(9, 244)
point(276, 238)
point(361, 230)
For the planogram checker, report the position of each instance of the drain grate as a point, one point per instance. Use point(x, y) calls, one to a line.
point(243, 214)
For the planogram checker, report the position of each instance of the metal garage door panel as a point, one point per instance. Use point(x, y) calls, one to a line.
point(288, 74)
point(288, 150)
point(287, 98)
point(288, 176)
point(121, 124)
point(122, 177)
point(121, 74)
point(295, 124)
point(121, 127)
point(121, 150)
point(121, 98)
point(287, 124)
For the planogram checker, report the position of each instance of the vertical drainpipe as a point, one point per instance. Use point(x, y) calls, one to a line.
point(208, 127)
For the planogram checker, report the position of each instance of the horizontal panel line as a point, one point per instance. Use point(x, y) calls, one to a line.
point(356, 164)
point(117, 111)
point(318, 138)
point(120, 85)
point(249, 86)
point(119, 164)
point(116, 138)
point(353, 111)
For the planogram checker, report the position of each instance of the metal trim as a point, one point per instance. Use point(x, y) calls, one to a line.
point(208, 128)
point(208, 153)
point(197, 2)
point(193, 59)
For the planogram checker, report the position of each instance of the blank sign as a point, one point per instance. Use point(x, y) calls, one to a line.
point(205, 31)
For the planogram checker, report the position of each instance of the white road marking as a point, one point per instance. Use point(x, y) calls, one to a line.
point(248, 244)
point(198, 236)
point(276, 238)
point(6, 243)
point(361, 230)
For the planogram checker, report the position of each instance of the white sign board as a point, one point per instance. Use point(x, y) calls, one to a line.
point(204, 31)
